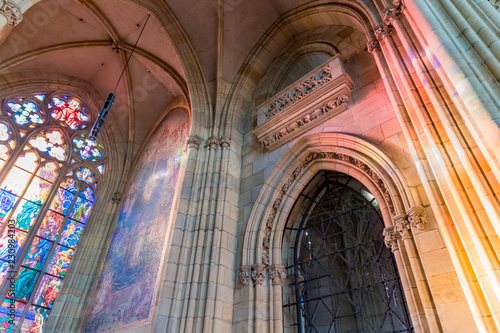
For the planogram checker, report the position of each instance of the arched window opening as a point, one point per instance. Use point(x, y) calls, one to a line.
point(48, 183)
point(341, 276)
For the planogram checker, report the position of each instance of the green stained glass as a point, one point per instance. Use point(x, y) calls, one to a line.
point(24, 112)
point(60, 261)
point(47, 291)
point(37, 253)
point(25, 214)
point(51, 225)
point(81, 210)
point(25, 282)
point(87, 149)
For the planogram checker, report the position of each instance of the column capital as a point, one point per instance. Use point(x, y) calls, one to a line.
point(416, 217)
point(277, 274)
point(11, 11)
point(391, 238)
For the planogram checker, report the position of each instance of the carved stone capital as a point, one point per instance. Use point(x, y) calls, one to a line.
point(116, 198)
point(277, 275)
point(212, 143)
point(391, 238)
point(194, 141)
point(392, 12)
point(373, 45)
point(11, 11)
point(402, 226)
point(244, 275)
point(416, 217)
point(258, 274)
point(383, 30)
point(225, 142)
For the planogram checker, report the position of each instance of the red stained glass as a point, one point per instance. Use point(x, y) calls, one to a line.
point(47, 291)
point(69, 111)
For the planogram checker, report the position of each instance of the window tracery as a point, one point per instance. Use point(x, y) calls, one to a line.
point(48, 183)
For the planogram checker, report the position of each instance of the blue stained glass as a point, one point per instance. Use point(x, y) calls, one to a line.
point(62, 201)
point(7, 201)
point(4, 268)
point(24, 283)
point(26, 214)
point(86, 175)
point(81, 210)
point(88, 194)
point(70, 185)
point(40, 97)
point(19, 239)
point(71, 234)
point(51, 225)
point(24, 112)
point(60, 261)
point(5, 326)
point(101, 169)
point(37, 253)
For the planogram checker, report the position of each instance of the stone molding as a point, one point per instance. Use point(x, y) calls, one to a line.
point(277, 275)
point(391, 238)
point(12, 12)
point(416, 217)
point(244, 275)
point(212, 143)
point(314, 117)
point(258, 273)
point(194, 142)
point(286, 186)
point(373, 45)
point(299, 107)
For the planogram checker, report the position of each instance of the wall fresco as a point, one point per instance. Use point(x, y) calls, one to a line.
point(126, 289)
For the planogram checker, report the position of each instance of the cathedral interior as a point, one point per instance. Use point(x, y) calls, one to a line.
point(270, 166)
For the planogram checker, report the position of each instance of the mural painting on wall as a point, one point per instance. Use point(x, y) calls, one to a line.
point(126, 289)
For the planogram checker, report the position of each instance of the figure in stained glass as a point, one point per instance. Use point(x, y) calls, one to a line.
point(24, 283)
point(69, 112)
point(50, 225)
point(27, 214)
point(37, 254)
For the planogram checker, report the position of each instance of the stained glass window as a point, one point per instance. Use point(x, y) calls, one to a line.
point(46, 198)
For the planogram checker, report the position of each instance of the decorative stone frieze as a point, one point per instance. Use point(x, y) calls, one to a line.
point(212, 143)
point(11, 11)
point(416, 217)
point(315, 116)
point(402, 226)
point(373, 45)
point(309, 159)
point(383, 30)
point(277, 275)
point(225, 142)
point(392, 12)
point(258, 273)
point(391, 238)
point(244, 275)
point(309, 102)
point(194, 142)
point(116, 198)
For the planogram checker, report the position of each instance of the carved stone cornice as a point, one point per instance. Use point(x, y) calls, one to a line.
point(212, 143)
point(244, 275)
point(373, 45)
point(402, 226)
point(258, 273)
point(416, 217)
point(194, 141)
point(311, 101)
point(391, 238)
point(225, 142)
point(275, 207)
point(277, 275)
point(11, 11)
point(392, 12)
point(116, 198)
point(383, 30)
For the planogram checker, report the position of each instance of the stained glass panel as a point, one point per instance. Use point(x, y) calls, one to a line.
point(16, 308)
point(60, 261)
point(88, 194)
point(24, 284)
point(4, 152)
point(70, 185)
point(24, 112)
point(19, 239)
point(25, 214)
point(81, 210)
point(48, 171)
point(69, 111)
point(71, 234)
point(29, 321)
point(86, 175)
point(51, 143)
point(38, 190)
point(62, 201)
point(7, 201)
point(4, 268)
point(47, 291)
point(87, 149)
point(4, 132)
point(37, 253)
point(51, 225)
point(101, 169)
point(16, 181)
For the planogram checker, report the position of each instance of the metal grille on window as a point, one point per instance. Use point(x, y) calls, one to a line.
point(341, 276)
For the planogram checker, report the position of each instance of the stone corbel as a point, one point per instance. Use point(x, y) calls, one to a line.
point(277, 275)
point(373, 45)
point(11, 11)
point(244, 275)
point(383, 30)
point(116, 198)
point(416, 217)
point(258, 274)
point(391, 238)
point(402, 226)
